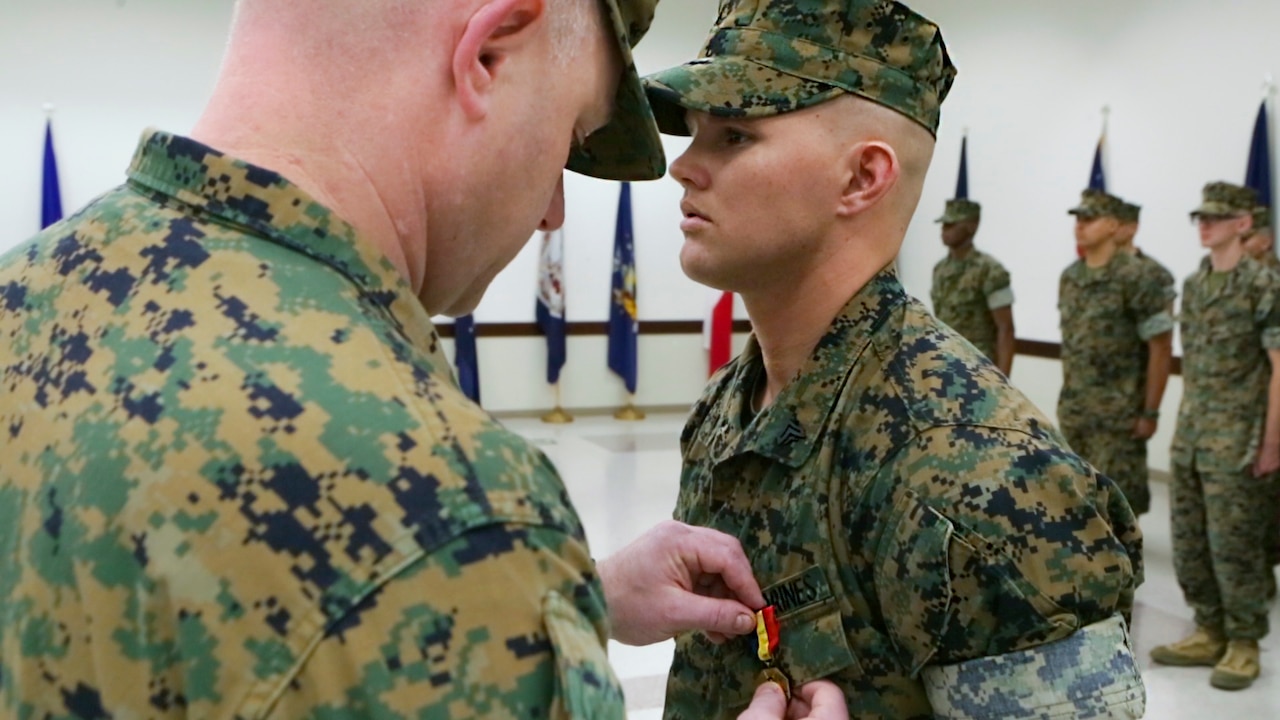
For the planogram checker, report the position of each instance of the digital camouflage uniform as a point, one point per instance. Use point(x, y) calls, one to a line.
point(965, 292)
point(926, 539)
point(1229, 322)
point(239, 479)
point(1107, 316)
point(1131, 213)
point(916, 521)
point(1262, 220)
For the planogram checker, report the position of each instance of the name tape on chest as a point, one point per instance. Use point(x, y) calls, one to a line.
point(798, 592)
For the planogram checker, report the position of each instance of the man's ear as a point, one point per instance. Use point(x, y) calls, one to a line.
point(872, 169)
point(491, 35)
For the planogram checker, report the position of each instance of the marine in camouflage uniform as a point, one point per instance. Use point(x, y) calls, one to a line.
point(1231, 339)
point(1130, 216)
point(1260, 245)
point(239, 478)
point(923, 533)
point(1113, 318)
point(971, 290)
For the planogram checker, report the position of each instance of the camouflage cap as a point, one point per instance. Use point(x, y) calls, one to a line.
point(1226, 199)
point(628, 148)
point(1097, 203)
point(1261, 219)
point(960, 211)
point(1130, 213)
point(768, 57)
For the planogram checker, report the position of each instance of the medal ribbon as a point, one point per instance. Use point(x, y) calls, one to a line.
point(767, 635)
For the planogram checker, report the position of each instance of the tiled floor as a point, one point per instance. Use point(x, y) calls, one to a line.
point(623, 479)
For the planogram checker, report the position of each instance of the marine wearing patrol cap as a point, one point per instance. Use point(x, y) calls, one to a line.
point(767, 57)
point(1097, 203)
point(1223, 199)
point(961, 211)
point(1261, 219)
point(1130, 213)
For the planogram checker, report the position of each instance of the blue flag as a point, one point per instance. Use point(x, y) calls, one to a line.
point(51, 195)
point(962, 182)
point(464, 356)
point(549, 309)
point(1098, 176)
point(624, 321)
point(1258, 174)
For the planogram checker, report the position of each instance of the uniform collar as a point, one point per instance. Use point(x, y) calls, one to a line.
point(789, 429)
point(264, 203)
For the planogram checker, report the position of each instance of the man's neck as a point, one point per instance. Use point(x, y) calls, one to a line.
point(351, 184)
point(960, 252)
point(1100, 255)
point(1127, 247)
point(788, 321)
point(1226, 257)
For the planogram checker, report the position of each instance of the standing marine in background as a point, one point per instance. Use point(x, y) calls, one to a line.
point(1226, 444)
point(1130, 216)
point(1117, 345)
point(971, 289)
point(1260, 243)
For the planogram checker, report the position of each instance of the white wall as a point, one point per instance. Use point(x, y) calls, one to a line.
point(1183, 78)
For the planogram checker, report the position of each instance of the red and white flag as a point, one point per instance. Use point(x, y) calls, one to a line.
point(717, 330)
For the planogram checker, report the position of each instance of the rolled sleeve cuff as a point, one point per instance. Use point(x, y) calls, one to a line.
point(1001, 298)
point(1091, 674)
point(1157, 324)
point(1271, 338)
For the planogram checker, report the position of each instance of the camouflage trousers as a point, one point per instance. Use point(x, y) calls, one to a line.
point(1218, 534)
point(1273, 516)
point(1118, 456)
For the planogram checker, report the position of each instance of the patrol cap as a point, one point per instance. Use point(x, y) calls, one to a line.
point(768, 57)
point(1261, 219)
point(1097, 203)
point(628, 148)
point(1223, 199)
point(960, 211)
point(1130, 213)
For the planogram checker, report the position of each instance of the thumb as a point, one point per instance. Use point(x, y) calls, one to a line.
point(712, 615)
point(769, 703)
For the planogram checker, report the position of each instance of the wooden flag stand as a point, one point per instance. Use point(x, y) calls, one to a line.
point(558, 416)
point(630, 413)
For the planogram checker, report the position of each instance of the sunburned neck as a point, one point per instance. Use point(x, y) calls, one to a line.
point(1225, 258)
point(789, 321)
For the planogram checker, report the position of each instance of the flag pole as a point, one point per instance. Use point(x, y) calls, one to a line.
point(630, 412)
point(559, 416)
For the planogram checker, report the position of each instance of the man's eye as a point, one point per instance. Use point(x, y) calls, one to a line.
point(735, 137)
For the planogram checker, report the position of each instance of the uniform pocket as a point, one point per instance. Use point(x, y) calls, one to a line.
point(913, 581)
point(585, 684)
point(815, 647)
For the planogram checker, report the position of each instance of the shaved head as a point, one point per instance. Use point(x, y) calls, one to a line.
point(854, 120)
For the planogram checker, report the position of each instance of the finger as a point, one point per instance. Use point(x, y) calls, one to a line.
point(716, 638)
point(714, 587)
point(716, 553)
point(798, 709)
point(769, 703)
point(710, 615)
point(826, 701)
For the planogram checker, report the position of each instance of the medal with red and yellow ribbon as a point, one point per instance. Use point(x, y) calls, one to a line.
point(767, 641)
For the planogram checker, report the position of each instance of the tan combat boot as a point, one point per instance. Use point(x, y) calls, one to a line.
point(1202, 647)
point(1238, 668)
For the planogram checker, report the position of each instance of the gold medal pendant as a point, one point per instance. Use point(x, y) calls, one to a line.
point(773, 674)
